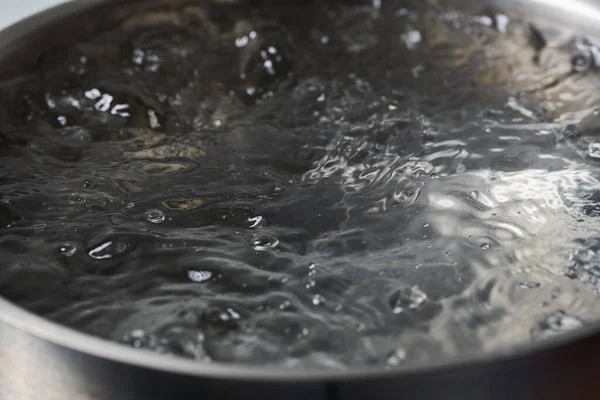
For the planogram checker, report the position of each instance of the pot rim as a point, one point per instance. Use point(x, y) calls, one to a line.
point(13, 39)
point(68, 338)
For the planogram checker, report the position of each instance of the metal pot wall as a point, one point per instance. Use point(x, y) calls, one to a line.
point(41, 360)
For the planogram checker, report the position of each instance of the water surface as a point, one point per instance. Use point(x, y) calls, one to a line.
point(343, 184)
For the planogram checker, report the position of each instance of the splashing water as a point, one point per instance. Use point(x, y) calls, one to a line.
point(384, 183)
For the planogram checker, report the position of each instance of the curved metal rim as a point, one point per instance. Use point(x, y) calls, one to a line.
point(70, 339)
point(104, 349)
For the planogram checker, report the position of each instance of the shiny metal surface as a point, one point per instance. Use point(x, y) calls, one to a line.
point(579, 16)
point(15, 10)
point(41, 360)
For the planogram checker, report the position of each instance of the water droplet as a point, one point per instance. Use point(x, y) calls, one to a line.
point(264, 241)
point(554, 324)
point(425, 225)
point(409, 298)
point(485, 246)
point(529, 285)
point(108, 250)
point(67, 250)
point(130, 205)
point(594, 150)
point(396, 357)
point(155, 216)
point(312, 266)
point(318, 300)
point(199, 276)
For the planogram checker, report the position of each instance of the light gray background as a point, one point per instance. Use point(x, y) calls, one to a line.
point(13, 10)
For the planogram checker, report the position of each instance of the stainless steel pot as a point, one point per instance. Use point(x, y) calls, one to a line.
point(42, 360)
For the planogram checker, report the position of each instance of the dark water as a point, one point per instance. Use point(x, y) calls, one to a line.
point(338, 184)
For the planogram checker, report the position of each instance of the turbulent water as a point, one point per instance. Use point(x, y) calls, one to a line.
point(331, 184)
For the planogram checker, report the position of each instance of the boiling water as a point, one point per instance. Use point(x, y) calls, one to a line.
point(332, 184)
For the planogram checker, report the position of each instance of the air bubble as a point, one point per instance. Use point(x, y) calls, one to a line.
point(242, 41)
point(594, 150)
point(107, 250)
point(67, 250)
point(318, 300)
point(155, 216)
point(199, 276)
point(555, 324)
point(407, 299)
point(264, 241)
point(153, 119)
point(255, 222)
point(412, 39)
point(93, 94)
point(285, 305)
point(529, 285)
point(396, 357)
point(485, 246)
point(501, 22)
point(137, 338)
point(581, 62)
